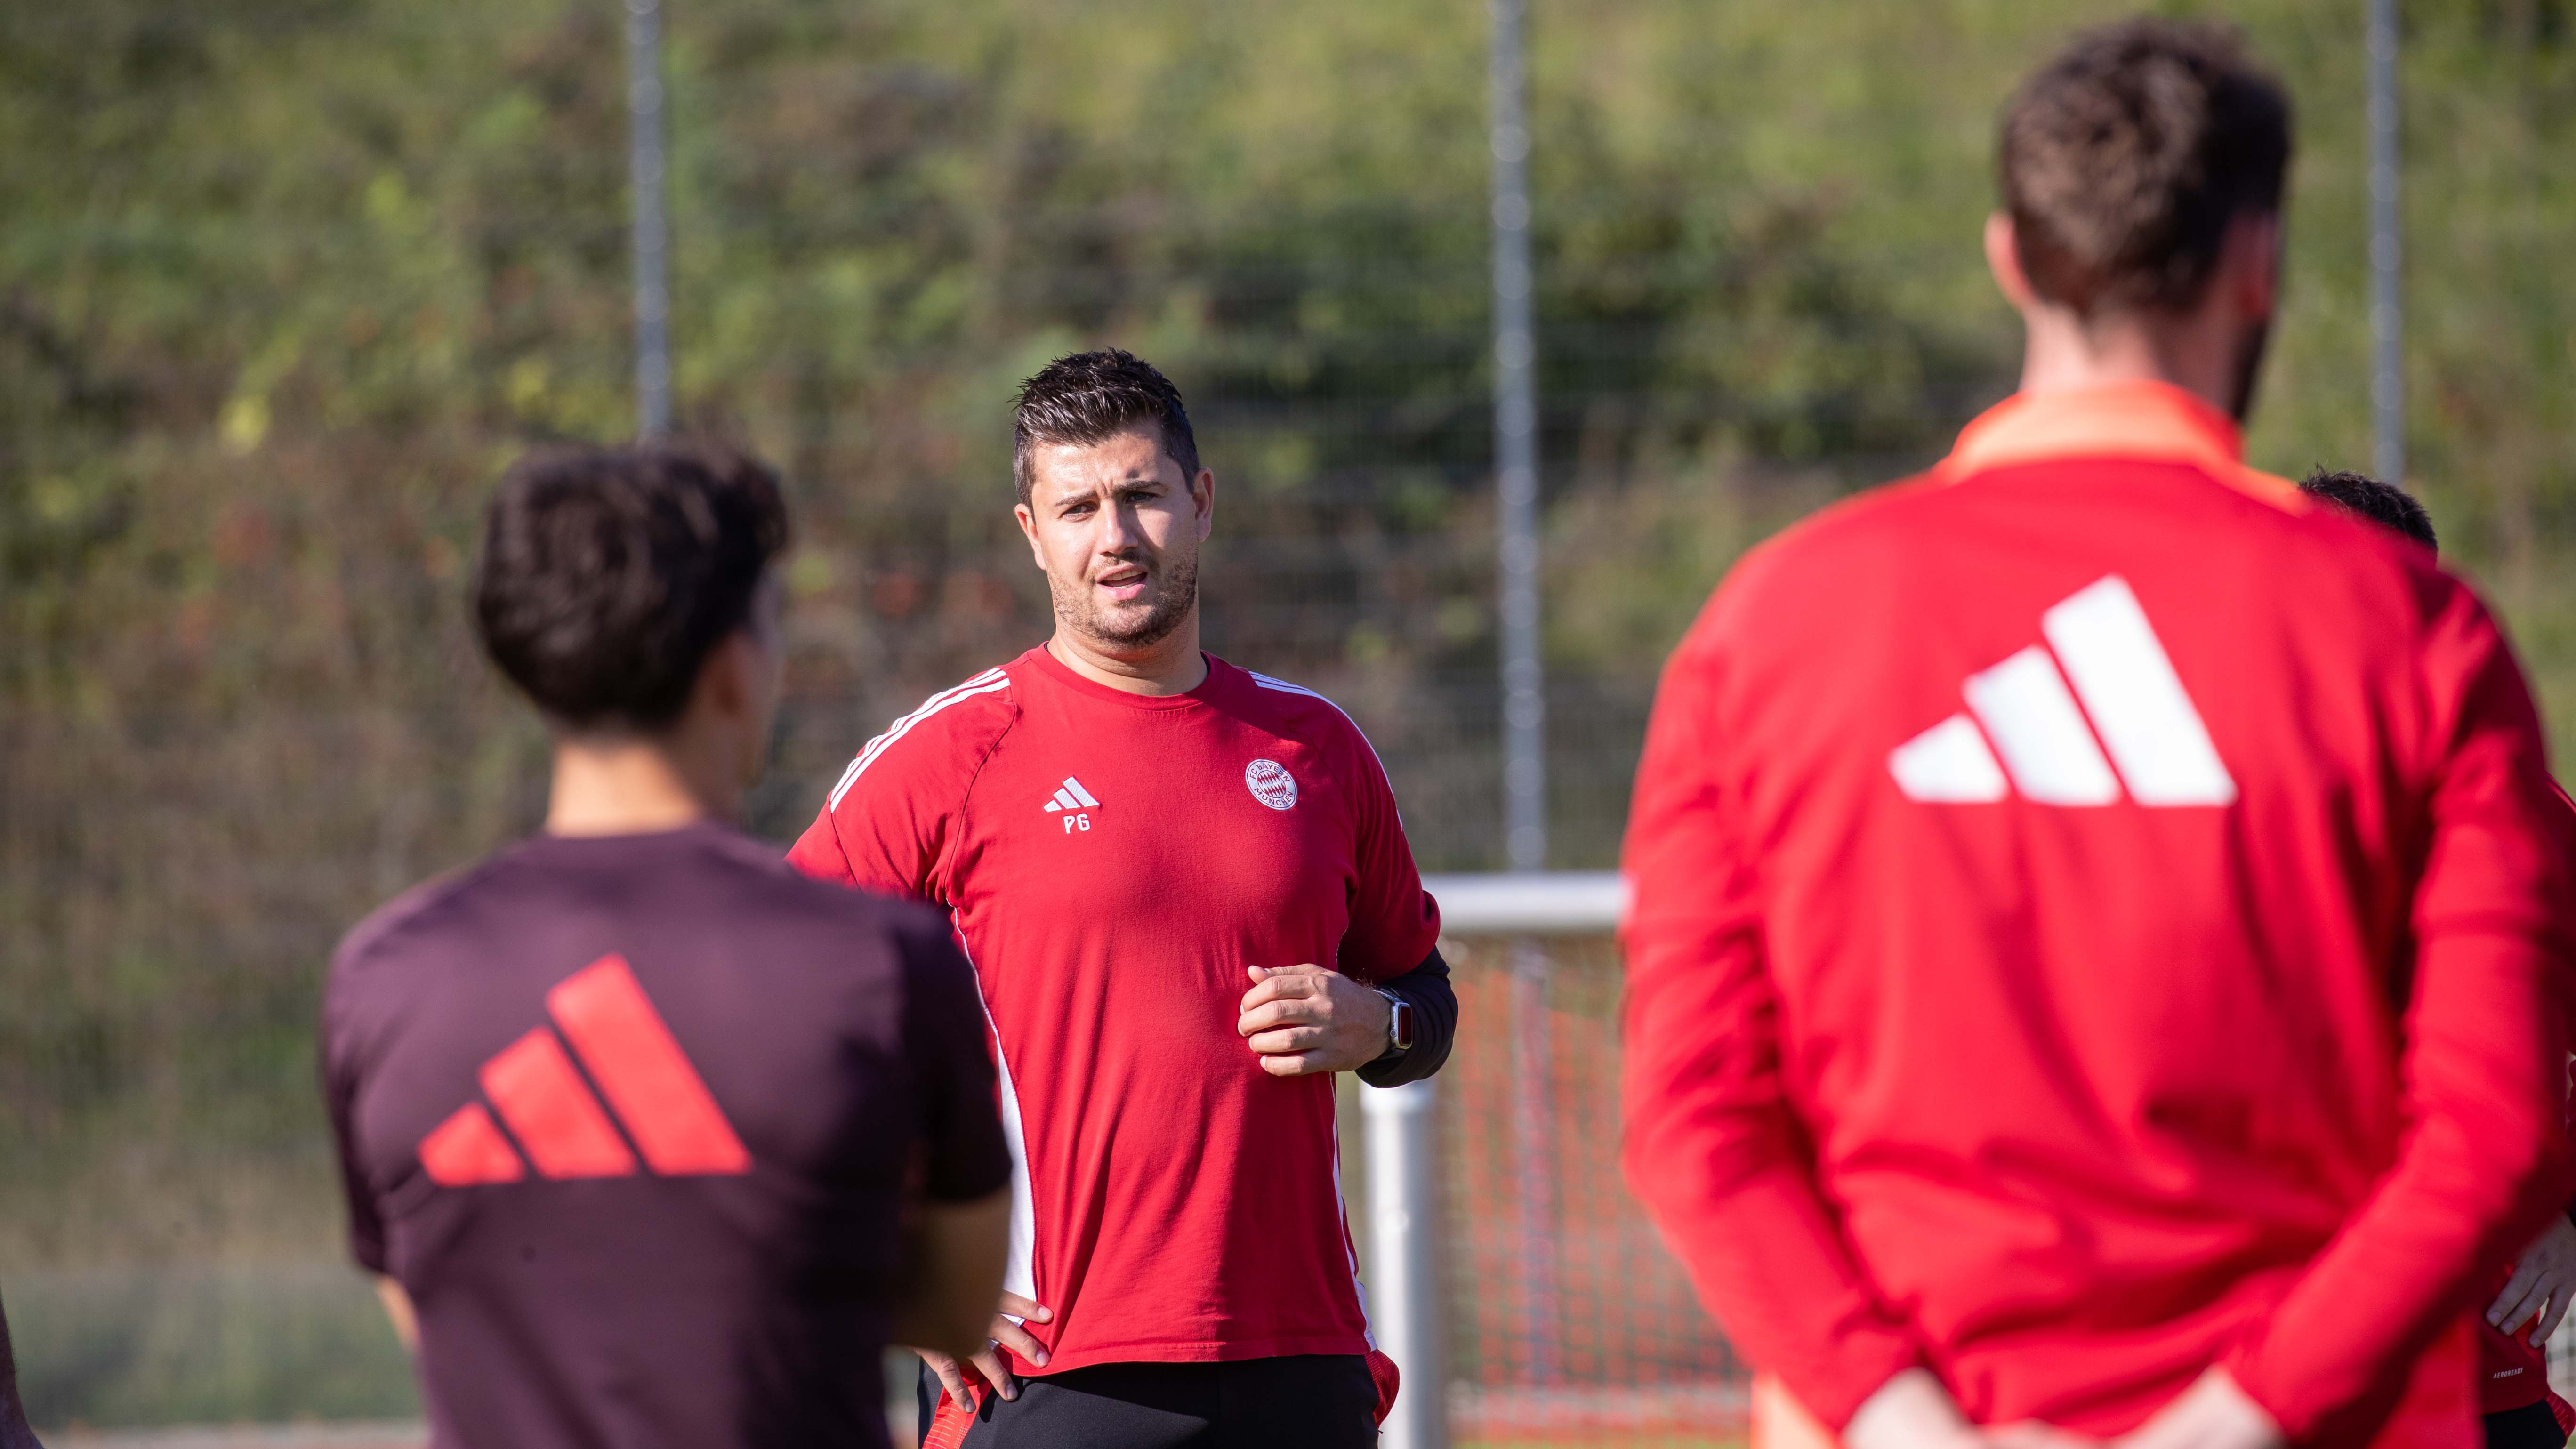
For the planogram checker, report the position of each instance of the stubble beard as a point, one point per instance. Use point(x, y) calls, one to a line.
point(1075, 609)
point(2249, 369)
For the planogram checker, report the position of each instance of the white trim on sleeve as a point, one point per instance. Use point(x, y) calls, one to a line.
point(988, 682)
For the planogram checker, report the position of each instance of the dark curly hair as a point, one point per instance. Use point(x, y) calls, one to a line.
point(2124, 160)
point(2383, 503)
point(609, 574)
point(1090, 397)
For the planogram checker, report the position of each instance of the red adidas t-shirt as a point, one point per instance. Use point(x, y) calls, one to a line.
point(1112, 862)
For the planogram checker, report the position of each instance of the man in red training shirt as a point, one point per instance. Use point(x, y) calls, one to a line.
point(2093, 910)
point(650, 1139)
point(1189, 901)
point(2514, 1396)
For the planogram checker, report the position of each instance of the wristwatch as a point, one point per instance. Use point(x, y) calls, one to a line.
point(1399, 1021)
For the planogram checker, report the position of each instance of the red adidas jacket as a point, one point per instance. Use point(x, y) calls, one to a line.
point(2092, 921)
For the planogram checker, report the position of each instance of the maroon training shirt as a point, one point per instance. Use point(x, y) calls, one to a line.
point(632, 1119)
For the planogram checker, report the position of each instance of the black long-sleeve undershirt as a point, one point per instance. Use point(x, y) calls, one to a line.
point(1426, 989)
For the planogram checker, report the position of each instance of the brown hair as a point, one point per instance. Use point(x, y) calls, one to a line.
point(609, 574)
point(2124, 160)
point(1091, 397)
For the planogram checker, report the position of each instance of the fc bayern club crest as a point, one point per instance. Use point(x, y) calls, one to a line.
point(1271, 784)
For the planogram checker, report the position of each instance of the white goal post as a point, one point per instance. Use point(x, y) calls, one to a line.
point(1530, 903)
point(1405, 1303)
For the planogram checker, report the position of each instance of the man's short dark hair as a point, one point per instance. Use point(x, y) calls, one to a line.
point(609, 574)
point(2382, 503)
point(1091, 397)
point(2124, 161)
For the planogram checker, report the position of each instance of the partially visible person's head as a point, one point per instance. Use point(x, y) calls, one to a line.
point(1112, 497)
point(2124, 161)
point(621, 588)
point(2138, 166)
point(2381, 503)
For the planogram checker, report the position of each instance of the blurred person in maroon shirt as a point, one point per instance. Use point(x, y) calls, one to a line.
point(651, 1139)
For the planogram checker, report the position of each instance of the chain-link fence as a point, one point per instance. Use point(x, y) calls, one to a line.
point(1570, 1323)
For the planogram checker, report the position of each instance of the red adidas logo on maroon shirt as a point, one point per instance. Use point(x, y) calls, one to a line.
point(566, 1132)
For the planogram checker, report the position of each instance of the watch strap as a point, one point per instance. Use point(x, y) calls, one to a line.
point(1399, 1020)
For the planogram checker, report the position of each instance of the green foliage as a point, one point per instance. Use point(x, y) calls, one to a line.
point(285, 282)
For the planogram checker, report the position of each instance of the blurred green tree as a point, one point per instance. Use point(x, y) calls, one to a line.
point(284, 283)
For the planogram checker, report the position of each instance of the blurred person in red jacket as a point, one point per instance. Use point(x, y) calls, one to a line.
point(2520, 1410)
point(2094, 911)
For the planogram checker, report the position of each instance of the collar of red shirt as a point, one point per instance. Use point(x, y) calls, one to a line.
point(2142, 420)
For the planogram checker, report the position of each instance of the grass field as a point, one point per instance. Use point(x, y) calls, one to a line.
point(273, 1341)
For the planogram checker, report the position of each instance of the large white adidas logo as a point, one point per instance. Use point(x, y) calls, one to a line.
point(2130, 692)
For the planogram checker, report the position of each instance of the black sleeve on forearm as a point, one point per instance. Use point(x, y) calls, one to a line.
point(1426, 989)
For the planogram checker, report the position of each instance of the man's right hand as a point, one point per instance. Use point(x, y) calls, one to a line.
point(1911, 1411)
point(2212, 1414)
point(1006, 1333)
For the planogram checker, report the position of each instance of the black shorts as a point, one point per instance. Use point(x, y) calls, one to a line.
point(2530, 1427)
point(1305, 1401)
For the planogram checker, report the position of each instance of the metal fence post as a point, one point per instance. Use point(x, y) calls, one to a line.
point(2387, 277)
point(645, 176)
point(1516, 454)
point(1405, 1303)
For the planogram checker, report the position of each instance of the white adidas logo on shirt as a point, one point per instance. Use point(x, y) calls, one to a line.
point(1071, 797)
point(2130, 693)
